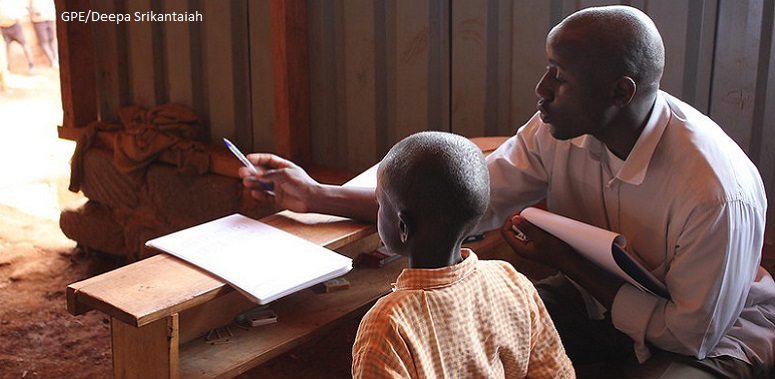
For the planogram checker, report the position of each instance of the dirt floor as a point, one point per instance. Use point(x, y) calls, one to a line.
point(38, 337)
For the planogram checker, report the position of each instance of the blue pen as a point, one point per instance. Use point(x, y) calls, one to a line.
point(242, 158)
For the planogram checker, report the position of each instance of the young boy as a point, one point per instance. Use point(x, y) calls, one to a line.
point(450, 315)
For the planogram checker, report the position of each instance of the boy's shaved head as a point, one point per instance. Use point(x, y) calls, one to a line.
point(440, 176)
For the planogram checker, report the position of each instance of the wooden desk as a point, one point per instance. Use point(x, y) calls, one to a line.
point(162, 307)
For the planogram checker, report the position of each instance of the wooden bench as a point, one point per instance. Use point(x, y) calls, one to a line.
point(161, 307)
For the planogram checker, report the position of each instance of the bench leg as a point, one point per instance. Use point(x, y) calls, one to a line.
point(150, 351)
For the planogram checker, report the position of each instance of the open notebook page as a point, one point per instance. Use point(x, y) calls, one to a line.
point(263, 262)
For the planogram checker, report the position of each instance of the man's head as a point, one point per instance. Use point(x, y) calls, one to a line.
point(432, 188)
point(603, 62)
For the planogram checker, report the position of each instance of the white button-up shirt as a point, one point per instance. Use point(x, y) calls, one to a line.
point(692, 207)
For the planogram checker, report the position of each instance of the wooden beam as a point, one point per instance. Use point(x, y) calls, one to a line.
point(76, 70)
point(291, 79)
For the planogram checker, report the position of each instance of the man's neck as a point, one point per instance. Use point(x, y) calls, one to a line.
point(621, 137)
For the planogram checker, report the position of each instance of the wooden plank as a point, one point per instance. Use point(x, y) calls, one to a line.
point(700, 42)
point(410, 65)
point(531, 22)
point(111, 62)
point(324, 57)
point(240, 46)
point(198, 321)
point(76, 59)
point(301, 317)
point(261, 81)
point(765, 122)
point(148, 293)
point(672, 20)
point(151, 351)
point(162, 285)
point(139, 44)
point(736, 67)
point(359, 85)
point(439, 64)
point(688, 31)
point(291, 79)
point(470, 67)
point(499, 75)
point(386, 133)
point(177, 55)
point(218, 69)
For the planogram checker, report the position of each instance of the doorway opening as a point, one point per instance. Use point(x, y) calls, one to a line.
point(35, 160)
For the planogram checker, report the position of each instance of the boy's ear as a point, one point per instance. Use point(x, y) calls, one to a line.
point(405, 226)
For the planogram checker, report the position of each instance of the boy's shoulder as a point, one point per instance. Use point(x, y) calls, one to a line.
point(502, 267)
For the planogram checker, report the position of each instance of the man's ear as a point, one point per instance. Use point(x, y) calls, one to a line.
point(405, 226)
point(623, 91)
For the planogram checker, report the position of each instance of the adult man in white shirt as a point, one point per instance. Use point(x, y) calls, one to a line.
point(608, 148)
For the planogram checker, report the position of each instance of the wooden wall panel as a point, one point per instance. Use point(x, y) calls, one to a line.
point(736, 70)
point(141, 57)
point(671, 20)
point(261, 83)
point(111, 63)
point(409, 68)
point(218, 69)
point(242, 124)
point(379, 71)
point(531, 22)
point(177, 55)
point(325, 97)
point(439, 66)
point(358, 81)
point(471, 67)
point(766, 126)
point(742, 97)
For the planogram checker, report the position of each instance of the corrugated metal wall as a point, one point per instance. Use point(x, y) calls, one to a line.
point(382, 69)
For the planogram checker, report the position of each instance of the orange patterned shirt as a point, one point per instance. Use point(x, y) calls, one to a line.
point(476, 319)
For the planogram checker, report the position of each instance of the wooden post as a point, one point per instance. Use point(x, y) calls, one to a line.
point(150, 351)
point(76, 68)
point(291, 79)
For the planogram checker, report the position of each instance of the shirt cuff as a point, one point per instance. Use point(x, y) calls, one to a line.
point(630, 313)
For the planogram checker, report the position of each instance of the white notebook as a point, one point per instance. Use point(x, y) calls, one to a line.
point(603, 247)
point(263, 262)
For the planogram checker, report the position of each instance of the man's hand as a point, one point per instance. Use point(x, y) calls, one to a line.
point(545, 248)
point(534, 244)
point(292, 187)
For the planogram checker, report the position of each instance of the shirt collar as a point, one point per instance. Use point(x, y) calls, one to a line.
point(424, 278)
point(637, 163)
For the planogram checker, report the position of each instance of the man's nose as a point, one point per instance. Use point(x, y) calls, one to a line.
point(543, 90)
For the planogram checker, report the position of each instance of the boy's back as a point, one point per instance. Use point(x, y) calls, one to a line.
point(477, 319)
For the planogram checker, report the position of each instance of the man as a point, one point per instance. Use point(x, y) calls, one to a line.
point(11, 28)
point(43, 16)
point(448, 299)
point(608, 148)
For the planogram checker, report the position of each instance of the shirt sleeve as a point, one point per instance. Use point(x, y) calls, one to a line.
point(547, 356)
point(518, 174)
point(379, 351)
point(715, 261)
